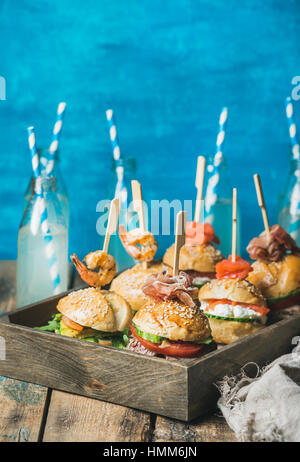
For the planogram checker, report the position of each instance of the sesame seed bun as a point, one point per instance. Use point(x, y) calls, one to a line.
point(97, 310)
point(278, 278)
point(202, 258)
point(231, 331)
point(129, 283)
point(173, 320)
point(232, 289)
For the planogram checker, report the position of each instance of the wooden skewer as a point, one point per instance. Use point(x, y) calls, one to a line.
point(261, 203)
point(233, 252)
point(199, 186)
point(179, 239)
point(138, 203)
point(112, 223)
point(138, 207)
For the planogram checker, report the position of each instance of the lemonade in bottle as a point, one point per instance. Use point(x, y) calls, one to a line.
point(34, 270)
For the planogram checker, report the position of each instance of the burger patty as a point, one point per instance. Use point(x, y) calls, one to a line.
point(200, 274)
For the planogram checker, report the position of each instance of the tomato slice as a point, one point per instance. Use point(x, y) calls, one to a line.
point(200, 233)
point(258, 308)
point(177, 349)
point(228, 269)
point(71, 324)
point(285, 302)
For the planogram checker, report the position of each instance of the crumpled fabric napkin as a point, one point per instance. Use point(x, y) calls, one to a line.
point(265, 408)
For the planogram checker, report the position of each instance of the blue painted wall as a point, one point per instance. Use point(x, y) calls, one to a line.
point(166, 67)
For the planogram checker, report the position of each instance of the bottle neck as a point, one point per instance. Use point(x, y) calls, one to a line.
point(49, 162)
point(44, 184)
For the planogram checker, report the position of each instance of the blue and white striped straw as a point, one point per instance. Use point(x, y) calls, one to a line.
point(113, 134)
point(294, 212)
point(50, 250)
point(292, 127)
point(211, 192)
point(221, 137)
point(55, 138)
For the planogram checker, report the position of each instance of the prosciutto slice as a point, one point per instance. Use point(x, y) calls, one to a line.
point(273, 248)
point(163, 286)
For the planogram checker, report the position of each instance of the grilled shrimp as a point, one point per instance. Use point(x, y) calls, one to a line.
point(139, 245)
point(98, 259)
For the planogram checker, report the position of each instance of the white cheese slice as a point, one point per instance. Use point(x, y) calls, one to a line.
point(226, 310)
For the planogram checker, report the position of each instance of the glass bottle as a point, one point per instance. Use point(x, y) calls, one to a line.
point(34, 280)
point(46, 158)
point(122, 172)
point(218, 204)
point(289, 202)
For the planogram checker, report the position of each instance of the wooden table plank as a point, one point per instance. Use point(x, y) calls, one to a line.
point(209, 429)
point(22, 408)
point(22, 404)
point(7, 286)
point(76, 418)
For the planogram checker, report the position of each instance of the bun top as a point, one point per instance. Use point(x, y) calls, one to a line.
point(200, 257)
point(276, 279)
point(91, 308)
point(129, 283)
point(232, 289)
point(173, 320)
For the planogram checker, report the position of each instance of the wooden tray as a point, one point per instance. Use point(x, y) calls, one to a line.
point(178, 389)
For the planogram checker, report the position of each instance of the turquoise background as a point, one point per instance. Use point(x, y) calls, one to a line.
point(167, 68)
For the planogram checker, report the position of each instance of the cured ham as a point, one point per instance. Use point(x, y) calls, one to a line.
point(163, 286)
point(272, 248)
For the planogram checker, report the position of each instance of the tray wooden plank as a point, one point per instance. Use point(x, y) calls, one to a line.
point(96, 371)
point(210, 429)
point(76, 418)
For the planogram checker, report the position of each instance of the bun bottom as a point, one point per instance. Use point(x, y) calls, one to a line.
point(231, 331)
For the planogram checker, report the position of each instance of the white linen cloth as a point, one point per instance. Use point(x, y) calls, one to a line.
point(266, 408)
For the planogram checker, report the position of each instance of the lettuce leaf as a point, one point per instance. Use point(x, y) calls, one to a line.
point(53, 325)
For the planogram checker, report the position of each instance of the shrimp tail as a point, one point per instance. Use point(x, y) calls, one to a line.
point(81, 269)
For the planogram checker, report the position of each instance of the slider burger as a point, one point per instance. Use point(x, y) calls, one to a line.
point(276, 271)
point(235, 307)
point(89, 314)
point(198, 257)
point(171, 323)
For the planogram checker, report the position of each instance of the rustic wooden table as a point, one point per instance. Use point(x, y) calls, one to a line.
point(30, 412)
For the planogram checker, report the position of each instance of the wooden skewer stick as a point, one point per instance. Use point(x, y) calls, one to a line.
point(199, 186)
point(261, 203)
point(138, 203)
point(179, 239)
point(138, 207)
point(112, 223)
point(233, 252)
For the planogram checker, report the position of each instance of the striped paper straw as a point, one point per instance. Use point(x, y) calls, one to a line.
point(55, 138)
point(211, 192)
point(113, 134)
point(50, 250)
point(294, 209)
point(292, 127)
point(221, 137)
